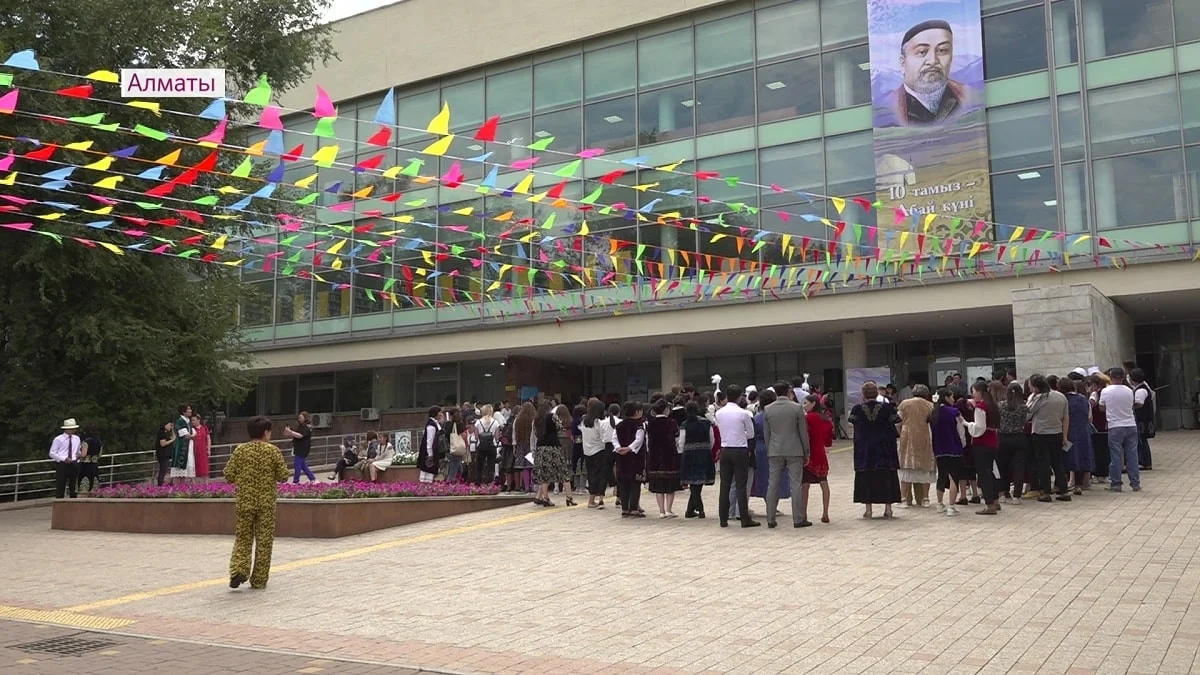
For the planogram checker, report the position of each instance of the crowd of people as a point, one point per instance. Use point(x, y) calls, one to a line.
point(182, 448)
point(989, 443)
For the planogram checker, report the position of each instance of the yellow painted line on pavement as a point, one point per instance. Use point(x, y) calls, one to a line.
point(63, 618)
point(309, 562)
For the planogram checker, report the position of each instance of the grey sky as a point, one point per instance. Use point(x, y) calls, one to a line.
point(341, 9)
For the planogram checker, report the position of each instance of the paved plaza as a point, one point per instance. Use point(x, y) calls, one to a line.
point(1105, 584)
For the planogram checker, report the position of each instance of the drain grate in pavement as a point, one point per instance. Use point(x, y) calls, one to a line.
point(68, 645)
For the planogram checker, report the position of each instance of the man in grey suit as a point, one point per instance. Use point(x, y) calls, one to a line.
point(786, 433)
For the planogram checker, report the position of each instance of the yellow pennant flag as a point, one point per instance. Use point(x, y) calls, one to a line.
point(494, 286)
point(10, 179)
point(258, 149)
point(111, 247)
point(104, 76)
point(109, 183)
point(440, 146)
point(975, 249)
point(337, 247)
point(325, 156)
point(81, 145)
point(645, 187)
point(307, 181)
point(1081, 240)
point(903, 239)
point(536, 199)
point(363, 193)
point(229, 190)
point(102, 211)
point(507, 215)
point(672, 167)
point(524, 185)
point(465, 211)
point(101, 164)
point(428, 257)
point(787, 239)
point(928, 222)
point(336, 264)
point(170, 158)
point(393, 172)
point(583, 229)
point(422, 180)
point(716, 237)
point(440, 124)
point(401, 219)
point(220, 242)
point(529, 237)
point(1017, 232)
point(152, 106)
point(50, 216)
point(838, 203)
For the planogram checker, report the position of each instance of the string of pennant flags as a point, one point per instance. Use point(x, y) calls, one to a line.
point(1019, 238)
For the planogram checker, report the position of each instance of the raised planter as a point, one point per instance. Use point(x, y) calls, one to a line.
point(302, 518)
point(394, 474)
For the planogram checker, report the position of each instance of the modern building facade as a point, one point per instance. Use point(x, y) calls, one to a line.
point(1091, 116)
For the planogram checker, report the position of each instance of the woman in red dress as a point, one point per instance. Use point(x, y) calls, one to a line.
point(201, 443)
point(820, 437)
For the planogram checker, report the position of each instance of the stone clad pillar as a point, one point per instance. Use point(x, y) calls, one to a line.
point(672, 366)
point(1059, 328)
point(854, 349)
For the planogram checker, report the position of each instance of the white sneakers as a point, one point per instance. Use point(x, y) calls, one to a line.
point(951, 511)
point(941, 508)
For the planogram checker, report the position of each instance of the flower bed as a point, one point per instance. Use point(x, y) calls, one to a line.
point(308, 510)
point(343, 490)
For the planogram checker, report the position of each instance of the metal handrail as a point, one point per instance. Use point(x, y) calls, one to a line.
point(34, 479)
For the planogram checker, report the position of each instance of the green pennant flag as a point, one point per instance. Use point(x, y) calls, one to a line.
point(108, 127)
point(207, 200)
point(606, 210)
point(732, 181)
point(639, 266)
point(324, 128)
point(260, 95)
point(190, 253)
point(90, 119)
point(857, 233)
point(569, 170)
point(737, 206)
point(413, 169)
point(288, 240)
point(370, 295)
point(640, 250)
point(542, 144)
point(417, 202)
point(148, 206)
point(387, 285)
point(6, 79)
point(243, 169)
point(455, 249)
point(954, 225)
point(56, 237)
point(295, 257)
point(559, 264)
point(287, 271)
point(549, 222)
point(309, 198)
point(150, 132)
point(344, 228)
point(531, 274)
point(758, 246)
point(591, 199)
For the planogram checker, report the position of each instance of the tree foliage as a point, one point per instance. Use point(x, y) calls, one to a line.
point(119, 341)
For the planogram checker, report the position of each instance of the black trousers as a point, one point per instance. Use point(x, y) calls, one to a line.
point(65, 478)
point(695, 501)
point(735, 466)
point(1013, 457)
point(1100, 452)
point(988, 484)
point(164, 469)
point(90, 471)
point(1048, 455)
point(630, 492)
point(483, 467)
point(599, 468)
point(1144, 458)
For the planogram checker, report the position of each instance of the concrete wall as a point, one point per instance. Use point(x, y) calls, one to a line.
point(551, 379)
point(1059, 328)
point(414, 40)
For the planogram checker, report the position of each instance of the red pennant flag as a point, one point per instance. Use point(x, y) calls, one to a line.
point(866, 205)
point(1105, 243)
point(1030, 235)
point(161, 190)
point(369, 163)
point(395, 196)
point(193, 240)
point(556, 191)
point(190, 215)
point(706, 175)
point(487, 132)
point(79, 91)
point(209, 257)
point(43, 153)
point(612, 176)
point(381, 138)
point(206, 165)
point(295, 153)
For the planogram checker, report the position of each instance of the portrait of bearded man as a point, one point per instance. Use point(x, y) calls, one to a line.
point(928, 96)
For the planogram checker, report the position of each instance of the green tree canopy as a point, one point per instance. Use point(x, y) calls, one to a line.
point(120, 341)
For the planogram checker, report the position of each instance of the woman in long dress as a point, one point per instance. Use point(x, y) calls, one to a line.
point(662, 458)
point(1080, 459)
point(696, 467)
point(183, 461)
point(523, 432)
point(917, 469)
point(875, 458)
point(949, 443)
point(550, 463)
point(816, 471)
point(200, 448)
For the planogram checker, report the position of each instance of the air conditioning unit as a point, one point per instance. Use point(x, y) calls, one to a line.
point(322, 420)
point(368, 414)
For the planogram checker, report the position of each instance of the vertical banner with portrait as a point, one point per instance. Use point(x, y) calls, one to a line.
point(931, 146)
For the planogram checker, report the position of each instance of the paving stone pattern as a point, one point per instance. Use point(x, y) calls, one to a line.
point(1105, 584)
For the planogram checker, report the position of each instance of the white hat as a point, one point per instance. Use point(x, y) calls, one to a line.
point(751, 388)
point(69, 424)
point(1080, 371)
point(1093, 371)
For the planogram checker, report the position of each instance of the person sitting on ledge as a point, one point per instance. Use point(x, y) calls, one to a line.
point(349, 458)
point(383, 457)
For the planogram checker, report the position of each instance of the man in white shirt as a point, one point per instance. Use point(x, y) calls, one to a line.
point(737, 428)
point(64, 450)
point(1117, 400)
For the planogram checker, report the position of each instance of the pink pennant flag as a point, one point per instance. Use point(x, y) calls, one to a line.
point(785, 216)
point(342, 206)
point(104, 200)
point(979, 228)
point(776, 188)
point(523, 164)
point(18, 226)
point(217, 135)
point(323, 107)
point(588, 153)
point(7, 161)
point(270, 118)
point(8, 102)
point(454, 176)
point(899, 215)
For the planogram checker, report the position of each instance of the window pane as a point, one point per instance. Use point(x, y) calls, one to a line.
point(610, 124)
point(1190, 94)
point(354, 388)
point(847, 80)
point(850, 164)
point(1155, 178)
point(332, 300)
point(1014, 43)
point(725, 102)
point(466, 104)
point(1027, 198)
point(665, 114)
point(741, 166)
point(789, 89)
point(665, 58)
point(786, 29)
point(1133, 117)
point(990, 6)
point(1187, 20)
point(609, 71)
point(393, 388)
point(1070, 127)
point(1074, 182)
point(508, 93)
point(557, 83)
point(315, 400)
point(1122, 26)
point(415, 112)
point(512, 136)
point(256, 309)
point(293, 298)
point(1193, 179)
point(843, 22)
point(799, 166)
point(1019, 135)
point(564, 126)
point(725, 44)
point(368, 280)
point(1066, 38)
